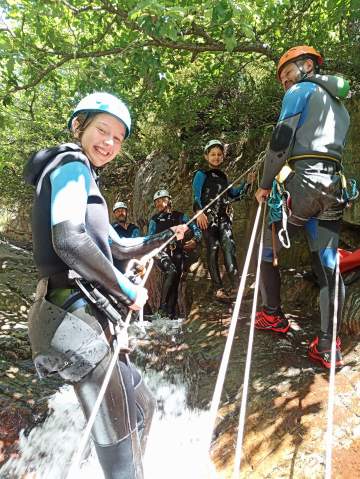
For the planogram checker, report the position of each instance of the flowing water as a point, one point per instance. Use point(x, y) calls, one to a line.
point(176, 445)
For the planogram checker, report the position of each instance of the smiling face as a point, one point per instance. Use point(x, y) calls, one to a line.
point(102, 138)
point(291, 73)
point(214, 156)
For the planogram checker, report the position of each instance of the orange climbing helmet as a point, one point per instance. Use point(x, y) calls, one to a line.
point(297, 52)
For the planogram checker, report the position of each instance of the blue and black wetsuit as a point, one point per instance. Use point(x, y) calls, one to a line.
point(71, 230)
point(131, 231)
point(207, 184)
point(310, 136)
point(171, 261)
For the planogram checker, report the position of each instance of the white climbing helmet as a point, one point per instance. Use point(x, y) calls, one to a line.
point(162, 194)
point(102, 102)
point(120, 204)
point(211, 143)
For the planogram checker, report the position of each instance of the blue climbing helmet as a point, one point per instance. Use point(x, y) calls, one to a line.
point(102, 102)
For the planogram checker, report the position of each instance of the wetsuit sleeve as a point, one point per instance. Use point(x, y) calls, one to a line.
point(135, 233)
point(197, 185)
point(292, 116)
point(128, 248)
point(70, 184)
point(151, 227)
point(195, 230)
point(239, 192)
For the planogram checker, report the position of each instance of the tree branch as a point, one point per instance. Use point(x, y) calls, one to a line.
point(78, 10)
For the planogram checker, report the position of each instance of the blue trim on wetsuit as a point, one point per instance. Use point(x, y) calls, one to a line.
point(74, 174)
point(124, 233)
point(296, 101)
point(238, 191)
point(72, 182)
point(135, 233)
point(311, 227)
point(267, 254)
point(198, 183)
point(194, 228)
point(151, 227)
point(328, 257)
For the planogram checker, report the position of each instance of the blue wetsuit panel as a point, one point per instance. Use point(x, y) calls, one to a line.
point(198, 184)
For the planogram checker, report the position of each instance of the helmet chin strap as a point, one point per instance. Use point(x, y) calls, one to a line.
point(303, 74)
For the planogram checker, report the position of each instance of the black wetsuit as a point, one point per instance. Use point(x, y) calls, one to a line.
point(171, 260)
point(132, 231)
point(66, 331)
point(207, 184)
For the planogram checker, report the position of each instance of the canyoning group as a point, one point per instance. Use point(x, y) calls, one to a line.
point(86, 265)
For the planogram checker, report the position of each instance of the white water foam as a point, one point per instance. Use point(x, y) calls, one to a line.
point(175, 446)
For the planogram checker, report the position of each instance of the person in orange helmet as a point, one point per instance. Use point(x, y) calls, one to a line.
point(308, 141)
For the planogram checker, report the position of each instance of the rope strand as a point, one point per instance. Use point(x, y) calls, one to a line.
point(120, 334)
point(330, 420)
point(226, 355)
point(239, 442)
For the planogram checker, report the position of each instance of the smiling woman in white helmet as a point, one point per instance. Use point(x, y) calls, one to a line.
point(71, 231)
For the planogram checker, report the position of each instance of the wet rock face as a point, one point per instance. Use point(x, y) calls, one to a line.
point(22, 397)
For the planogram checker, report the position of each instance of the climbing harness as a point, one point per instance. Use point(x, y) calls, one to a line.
point(330, 418)
point(350, 191)
point(240, 436)
point(279, 211)
point(230, 337)
point(121, 345)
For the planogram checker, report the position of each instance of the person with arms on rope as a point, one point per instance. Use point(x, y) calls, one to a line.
point(216, 222)
point(305, 162)
point(71, 233)
point(171, 260)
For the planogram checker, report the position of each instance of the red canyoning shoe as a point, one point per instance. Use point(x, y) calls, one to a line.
point(271, 322)
point(324, 357)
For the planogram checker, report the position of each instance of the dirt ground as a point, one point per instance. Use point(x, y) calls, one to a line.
point(287, 403)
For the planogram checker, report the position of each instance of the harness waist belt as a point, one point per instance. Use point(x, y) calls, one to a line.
point(315, 156)
point(60, 280)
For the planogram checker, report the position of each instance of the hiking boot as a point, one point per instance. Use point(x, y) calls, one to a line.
point(222, 296)
point(324, 357)
point(272, 322)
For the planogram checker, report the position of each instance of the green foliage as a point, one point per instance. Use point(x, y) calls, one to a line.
point(188, 69)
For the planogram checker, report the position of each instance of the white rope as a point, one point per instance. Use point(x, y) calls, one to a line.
point(226, 355)
point(121, 338)
point(238, 451)
point(330, 418)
